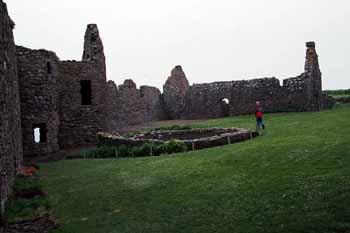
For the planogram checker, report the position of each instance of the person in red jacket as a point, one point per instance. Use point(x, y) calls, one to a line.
point(259, 114)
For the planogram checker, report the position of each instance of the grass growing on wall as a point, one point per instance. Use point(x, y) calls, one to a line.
point(296, 178)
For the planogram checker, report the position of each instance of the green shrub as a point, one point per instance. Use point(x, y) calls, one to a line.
point(124, 151)
point(147, 149)
point(171, 147)
point(100, 152)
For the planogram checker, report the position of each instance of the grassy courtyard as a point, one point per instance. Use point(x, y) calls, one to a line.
point(295, 178)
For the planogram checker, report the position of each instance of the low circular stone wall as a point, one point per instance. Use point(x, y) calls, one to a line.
point(344, 100)
point(194, 139)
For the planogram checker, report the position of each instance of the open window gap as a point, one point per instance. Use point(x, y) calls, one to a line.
point(39, 133)
point(86, 93)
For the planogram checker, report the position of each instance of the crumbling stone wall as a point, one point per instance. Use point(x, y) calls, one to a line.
point(175, 90)
point(94, 50)
point(39, 86)
point(72, 101)
point(206, 100)
point(10, 114)
point(51, 96)
point(131, 106)
point(194, 139)
point(112, 107)
point(314, 77)
point(301, 93)
point(80, 123)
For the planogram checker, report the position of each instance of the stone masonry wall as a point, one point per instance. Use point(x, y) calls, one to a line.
point(302, 93)
point(39, 86)
point(175, 90)
point(10, 115)
point(112, 107)
point(80, 123)
point(131, 106)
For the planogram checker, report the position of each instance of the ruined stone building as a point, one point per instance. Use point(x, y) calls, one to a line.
point(10, 113)
point(67, 103)
point(302, 93)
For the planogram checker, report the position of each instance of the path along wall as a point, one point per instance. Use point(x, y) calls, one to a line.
point(10, 114)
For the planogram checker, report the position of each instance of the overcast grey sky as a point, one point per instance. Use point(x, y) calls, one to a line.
point(212, 40)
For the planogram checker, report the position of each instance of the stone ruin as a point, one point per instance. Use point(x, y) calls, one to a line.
point(10, 113)
point(193, 139)
point(68, 102)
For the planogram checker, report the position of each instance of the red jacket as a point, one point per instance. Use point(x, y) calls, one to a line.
point(259, 114)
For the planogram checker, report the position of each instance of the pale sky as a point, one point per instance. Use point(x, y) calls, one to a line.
point(216, 40)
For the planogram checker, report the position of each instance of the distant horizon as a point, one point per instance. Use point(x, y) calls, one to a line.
point(230, 41)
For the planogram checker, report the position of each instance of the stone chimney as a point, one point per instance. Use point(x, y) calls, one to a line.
point(93, 48)
point(314, 75)
point(311, 63)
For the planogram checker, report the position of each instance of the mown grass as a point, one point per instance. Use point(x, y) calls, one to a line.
point(296, 178)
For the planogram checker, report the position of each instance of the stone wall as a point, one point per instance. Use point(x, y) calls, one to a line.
point(80, 122)
point(206, 100)
point(194, 139)
point(112, 107)
point(343, 100)
point(51, 94)
point(220, 99)
point(131, 106)
point(10, 115)
point(175, 89)
point(39, 86)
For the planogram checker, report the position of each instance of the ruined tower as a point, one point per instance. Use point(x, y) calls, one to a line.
point(82, 94)
point(10, 114)
point(175, 90)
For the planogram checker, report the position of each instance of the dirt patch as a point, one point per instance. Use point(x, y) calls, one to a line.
point(39, 225)
point(28, 171)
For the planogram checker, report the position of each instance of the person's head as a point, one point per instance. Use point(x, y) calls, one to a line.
point(258, 104)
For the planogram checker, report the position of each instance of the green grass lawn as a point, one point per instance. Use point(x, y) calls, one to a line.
point(295, 178)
